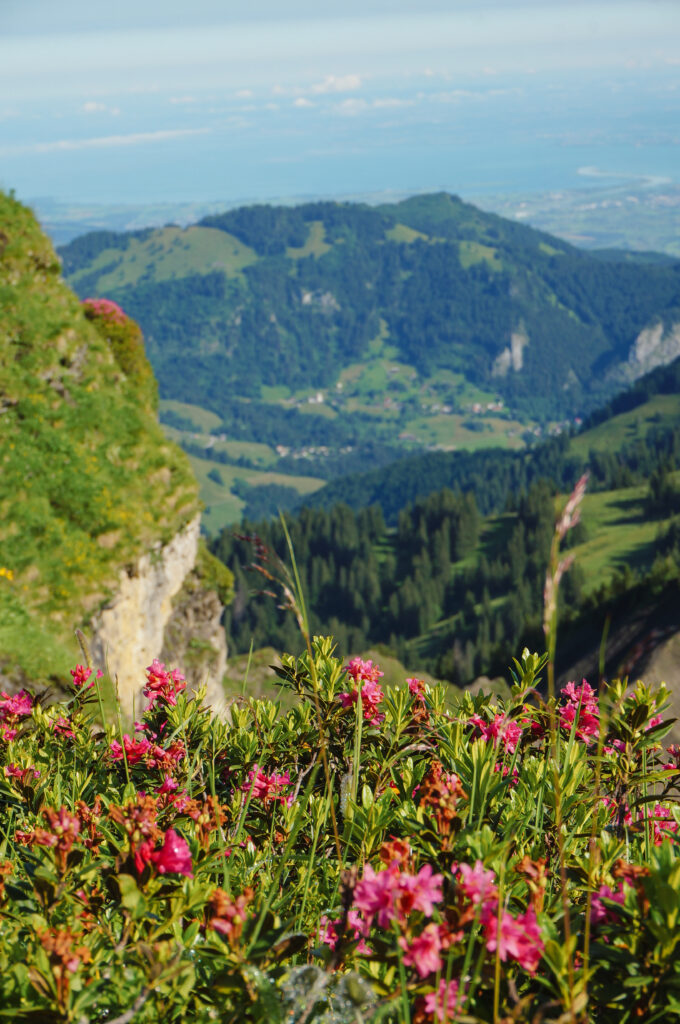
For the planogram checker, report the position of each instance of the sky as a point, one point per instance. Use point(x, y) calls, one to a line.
point(164, 100)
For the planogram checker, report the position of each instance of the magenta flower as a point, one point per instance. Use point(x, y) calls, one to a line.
point(443, 1002)
point(104, 308)
point(519, 939)
point(477, 883)
point(132, 749)
point(374, 894)
point(599, 913)
point(499, 730)
point(370, 689)
point(363, 671)
point(19, 705)
point(174, 857)
point(163, 685)
point(423, 951)
point(581, 706)
point(416, 687)
point(419, 892)
point(267, 787)
point(81, 674)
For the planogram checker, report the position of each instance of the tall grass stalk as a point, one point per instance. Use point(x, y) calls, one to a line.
point(297, 600)
point(556, 569)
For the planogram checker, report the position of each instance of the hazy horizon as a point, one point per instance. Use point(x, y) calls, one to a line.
point(157, 103)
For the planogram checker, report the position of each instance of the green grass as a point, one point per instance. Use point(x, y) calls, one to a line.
point(470, 253)
point(222, 506)
point(274, 394)
point(619, 533)
point(168, 253)
point(403, 233)
point(451, 431)
point(203, 419)
point(89, 481)
point(627, 427)
point(316, 244)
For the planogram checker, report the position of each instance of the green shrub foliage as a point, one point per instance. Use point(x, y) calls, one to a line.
point(367, 854)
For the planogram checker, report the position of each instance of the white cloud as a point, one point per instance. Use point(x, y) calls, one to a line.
point(102, 141)
point(302, 102)
point(92, 107)
point(244, 94)
point(181, 100)
point(337, 83)
point(391, 101)
point(350, 108)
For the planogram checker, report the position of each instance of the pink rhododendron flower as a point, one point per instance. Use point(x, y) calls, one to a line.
point(500, 730)
point(416, 687)
point(267, 787)
point(169, 785)
point(81, 674)
point(520, 937)
point(394, 894)
point(599, 914)
point(423, 951)
point(104, 308)
point(443, 1003)
point(371, 696)
point(477, 883)
point(666, 824)
point(374, 894)
point(62, 727)
point(581, 706)
point(15, 771)
point(163, 685)
point(174, 857)
point(19, 705)
point(419, 892)
point(134, 750)
point(363, 671)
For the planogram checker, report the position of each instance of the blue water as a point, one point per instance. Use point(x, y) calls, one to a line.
point(522, 135)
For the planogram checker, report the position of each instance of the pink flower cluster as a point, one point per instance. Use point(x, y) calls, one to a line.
point(661, 817)
point(516, 937)
point(500, 730)
point(365, 675)
point(580, 705)
point(267, 788)
point(174, 856)
point(81, 674)
point(162, 685)
point(601, 914)
point(443, 1003)
point(12, 710)
point(144, 749)
point(416, 687)
point(104, 308)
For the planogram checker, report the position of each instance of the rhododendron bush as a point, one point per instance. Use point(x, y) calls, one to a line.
point(371, 853)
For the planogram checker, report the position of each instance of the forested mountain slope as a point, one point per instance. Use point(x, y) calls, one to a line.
point(246, 310)
point(452, 580)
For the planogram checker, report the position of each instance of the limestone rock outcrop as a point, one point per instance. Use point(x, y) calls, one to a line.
point(144, 621)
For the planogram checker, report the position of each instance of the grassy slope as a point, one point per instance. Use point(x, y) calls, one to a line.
point(167, 254)
point(88, 480)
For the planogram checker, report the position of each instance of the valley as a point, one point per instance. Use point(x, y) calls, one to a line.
point(298, 345)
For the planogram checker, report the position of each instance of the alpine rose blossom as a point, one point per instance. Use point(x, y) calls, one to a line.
point(174, 856)
point(443, 1003)
point(423, 951)
point(519, 937)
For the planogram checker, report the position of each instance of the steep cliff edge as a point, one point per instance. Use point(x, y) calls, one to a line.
point(99, 513)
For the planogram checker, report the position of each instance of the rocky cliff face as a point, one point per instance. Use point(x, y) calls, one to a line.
point(656, 345)
point(154, 614)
